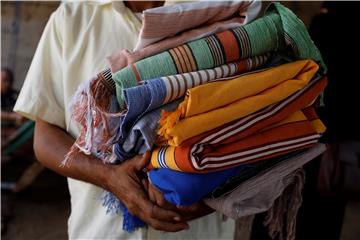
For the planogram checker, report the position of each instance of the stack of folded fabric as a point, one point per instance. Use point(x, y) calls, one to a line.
point(224, 103)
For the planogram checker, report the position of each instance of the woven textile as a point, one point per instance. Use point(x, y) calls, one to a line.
point(184, 16)
point(216, 149)
point(217, 103)
point(277, 30)
point(263, 189)
point(254, 169)
point(157, 92)
point(141, 137)
point(181, 188)
point(230, 14)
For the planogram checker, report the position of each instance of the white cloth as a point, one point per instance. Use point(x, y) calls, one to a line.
point(73, 48)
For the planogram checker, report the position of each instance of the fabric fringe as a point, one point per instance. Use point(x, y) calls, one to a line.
point(169, 119)
point(114, 206)
point(95, 110)
point(285, 208)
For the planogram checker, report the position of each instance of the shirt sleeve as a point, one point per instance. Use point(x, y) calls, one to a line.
point(42, 94)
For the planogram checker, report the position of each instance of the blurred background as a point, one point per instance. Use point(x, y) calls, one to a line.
point(35, 202)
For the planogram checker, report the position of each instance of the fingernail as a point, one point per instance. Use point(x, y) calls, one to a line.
point(177, 219)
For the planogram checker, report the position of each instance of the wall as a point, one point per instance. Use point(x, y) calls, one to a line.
point(21, 26)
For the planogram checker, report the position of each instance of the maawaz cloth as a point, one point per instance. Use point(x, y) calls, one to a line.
point(227, 146)
point(261, 190)
point(212, 105)
point(277, 30)
point(159, 91)
point(183, 23)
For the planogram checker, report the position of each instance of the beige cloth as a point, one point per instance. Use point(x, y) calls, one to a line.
point(73, 48)
point(259, 193)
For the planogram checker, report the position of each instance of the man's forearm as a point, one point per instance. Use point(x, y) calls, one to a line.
point(51, 144)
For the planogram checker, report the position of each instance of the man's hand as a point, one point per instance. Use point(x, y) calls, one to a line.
point(123, 180)
point(126, 182)
point(188, 213)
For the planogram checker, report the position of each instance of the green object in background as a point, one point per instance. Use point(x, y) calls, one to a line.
point(22, 135)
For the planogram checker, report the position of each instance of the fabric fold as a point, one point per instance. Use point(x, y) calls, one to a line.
point(278, 30)
point(229, 18)
point(159, 91)
point(212, 105)
point(216, 149)
point(184, 16)
point(141, 137)
point(263, 189)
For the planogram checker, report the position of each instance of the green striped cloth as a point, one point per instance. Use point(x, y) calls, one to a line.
point(278, 30)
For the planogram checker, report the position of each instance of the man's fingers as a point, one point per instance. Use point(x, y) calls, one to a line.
point(145, 184)
point(168, 227)
point(164, 214)
point(158, 197)
point(147, 210)
point(187, 208)
point(143, 161)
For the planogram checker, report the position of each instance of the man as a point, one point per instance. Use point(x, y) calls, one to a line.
point(73, 48)
point(8, 99)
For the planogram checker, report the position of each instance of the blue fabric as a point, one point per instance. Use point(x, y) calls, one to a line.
point(141, 100)
point(142, 136)
point(114, 206)
point(182, 188)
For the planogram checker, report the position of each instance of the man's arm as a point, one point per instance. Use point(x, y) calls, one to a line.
point(51, 145)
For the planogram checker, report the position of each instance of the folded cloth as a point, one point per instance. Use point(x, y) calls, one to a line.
point(251, 171)
point(138, 127)
point(142, 135)
point(316, 123)
point(265, 144)
point(178, 28)
point(182, 188)
point(212, 105)
point(159, 91)
point(184, 16)
point(216, 149)
point(258, 193)
point(277, 30)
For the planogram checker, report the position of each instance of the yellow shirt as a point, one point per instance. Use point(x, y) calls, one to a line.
point(72, 49)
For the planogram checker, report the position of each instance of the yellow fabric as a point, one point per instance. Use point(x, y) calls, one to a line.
point(170, 150)
point(295, 117)
point(212, 105)
point(318, 126)
point(169, 156)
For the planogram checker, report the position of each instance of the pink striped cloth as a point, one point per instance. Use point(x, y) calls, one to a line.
point(181, 23)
